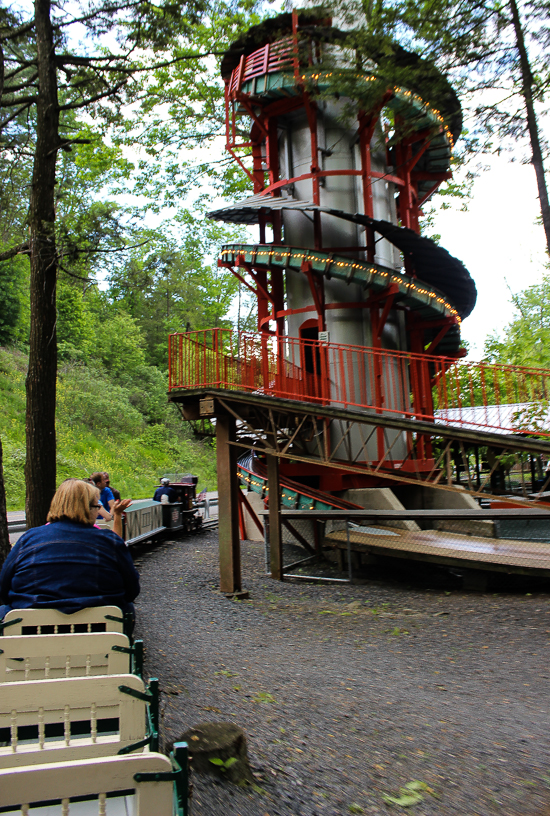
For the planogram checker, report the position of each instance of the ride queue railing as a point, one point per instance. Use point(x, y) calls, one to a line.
point(476, 395)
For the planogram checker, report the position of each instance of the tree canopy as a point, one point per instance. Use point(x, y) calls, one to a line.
point(526, 339)
point(111, 143)
point(72, 57)
point(495, 54)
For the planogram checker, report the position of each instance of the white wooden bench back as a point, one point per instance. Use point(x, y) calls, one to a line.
point(51, 621)
point(67, 719)
point(21, 786)
point(43, 657)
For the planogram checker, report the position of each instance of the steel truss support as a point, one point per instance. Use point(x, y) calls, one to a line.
point(284, 431)
point(303, 436)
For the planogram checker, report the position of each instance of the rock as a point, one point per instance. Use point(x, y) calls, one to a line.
point(219, 749)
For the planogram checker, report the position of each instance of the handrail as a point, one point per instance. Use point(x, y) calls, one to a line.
point(475, 395)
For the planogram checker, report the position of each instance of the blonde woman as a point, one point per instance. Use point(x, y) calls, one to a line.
point(68, 564)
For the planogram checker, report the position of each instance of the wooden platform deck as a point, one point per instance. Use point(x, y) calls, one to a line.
point(450, 549)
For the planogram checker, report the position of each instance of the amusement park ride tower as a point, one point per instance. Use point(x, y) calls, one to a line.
point(355, 368)
point(342, 188)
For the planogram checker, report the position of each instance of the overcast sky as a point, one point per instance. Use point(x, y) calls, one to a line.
point(499, 242)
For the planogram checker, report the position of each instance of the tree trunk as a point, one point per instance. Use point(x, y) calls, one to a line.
point(4, 537)
point(41, 377)
point(527, 93)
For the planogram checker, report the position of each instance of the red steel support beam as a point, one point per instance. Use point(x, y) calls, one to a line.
point(317, 287)
point(258, 167)
point(378, 321)
point(451, 321)
point(421, 386)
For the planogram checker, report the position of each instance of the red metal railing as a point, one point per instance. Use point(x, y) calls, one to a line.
point(284, 54)
point(271, 57)
point(482, 396)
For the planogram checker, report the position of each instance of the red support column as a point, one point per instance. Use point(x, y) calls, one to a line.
point(377, 365)
point(263, 302)
point(420, 385)
point(258, 167)
point(278, 295)
point(272, 152)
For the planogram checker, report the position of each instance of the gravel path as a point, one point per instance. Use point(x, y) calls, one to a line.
point(348, 693)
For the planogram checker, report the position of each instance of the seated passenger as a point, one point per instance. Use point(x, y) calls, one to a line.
point(106, 496)
point(165, 490)
point(114, 491)
point(68, 564)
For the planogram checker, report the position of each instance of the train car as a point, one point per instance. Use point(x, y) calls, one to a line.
point(146, 519)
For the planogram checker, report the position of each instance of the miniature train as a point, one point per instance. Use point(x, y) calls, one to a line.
point(147, 519)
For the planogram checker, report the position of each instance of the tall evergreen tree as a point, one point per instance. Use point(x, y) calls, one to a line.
point(45, 76)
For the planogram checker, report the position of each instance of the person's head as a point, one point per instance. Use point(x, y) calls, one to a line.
point(165, 482)
point(107, 480)
point(99, 480)
point(75, 500)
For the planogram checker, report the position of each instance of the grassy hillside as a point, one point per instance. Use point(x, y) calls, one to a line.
point(123, 426)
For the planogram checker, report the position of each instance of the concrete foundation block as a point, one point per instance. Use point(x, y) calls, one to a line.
point(424, 497)
point(257, 504)
point(379, 498)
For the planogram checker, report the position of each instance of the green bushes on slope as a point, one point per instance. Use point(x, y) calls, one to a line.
point(121, 424)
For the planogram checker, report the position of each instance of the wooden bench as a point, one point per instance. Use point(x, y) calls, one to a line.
point(44, 721)
point(53, 622)
point(147, 785)
point(43, 657)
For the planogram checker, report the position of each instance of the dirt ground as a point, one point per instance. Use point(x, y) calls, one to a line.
point(354, 695)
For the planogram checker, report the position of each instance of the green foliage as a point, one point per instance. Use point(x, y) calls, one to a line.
point(85, 399)
point(120, 344)
point(13, 367)
point(170, 286)
point(409, 795)
point(75, 324)
point(526, 339)
point(223, 765)
point(264, 697)
point(103, 423)
point(10, 298)
point(181, 116)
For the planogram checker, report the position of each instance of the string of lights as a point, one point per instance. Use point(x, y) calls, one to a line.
point(399, 94)
point(283, 256)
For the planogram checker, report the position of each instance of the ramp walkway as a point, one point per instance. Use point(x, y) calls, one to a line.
point(371, 532)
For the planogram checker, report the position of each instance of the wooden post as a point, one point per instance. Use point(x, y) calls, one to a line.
point(228, 506)
point(275, 531)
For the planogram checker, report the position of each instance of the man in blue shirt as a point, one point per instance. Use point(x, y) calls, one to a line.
point(165, 490)
point(106, 495)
